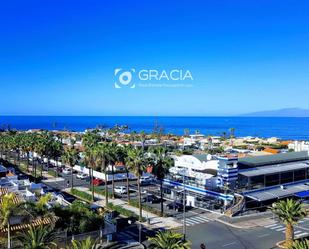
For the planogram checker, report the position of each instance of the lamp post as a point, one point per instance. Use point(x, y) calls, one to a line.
point(184, 206)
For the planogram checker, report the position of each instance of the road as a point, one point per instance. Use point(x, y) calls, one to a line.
point(201, 228)
point(215, 235)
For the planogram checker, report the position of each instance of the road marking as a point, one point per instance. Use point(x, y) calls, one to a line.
point(271, 225)
point(276, 227)
point(198, 219)
point(297, 232)
point(189, 223)
point(192, 221)
point(302, 234)
point(229, 244)
point(263, 235)
point(280, 229)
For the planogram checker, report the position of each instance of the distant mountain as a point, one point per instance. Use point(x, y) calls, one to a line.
point(287, 112)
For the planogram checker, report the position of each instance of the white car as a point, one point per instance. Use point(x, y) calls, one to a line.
point(120, 190)
point(67, 171)
point(82, 176)
point(145, 180)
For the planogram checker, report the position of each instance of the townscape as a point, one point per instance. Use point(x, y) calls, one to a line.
point(110, 188)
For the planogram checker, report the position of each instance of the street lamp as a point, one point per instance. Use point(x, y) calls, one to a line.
point(184, 206)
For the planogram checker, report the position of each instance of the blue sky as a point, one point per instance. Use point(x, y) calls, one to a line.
point(58, 57)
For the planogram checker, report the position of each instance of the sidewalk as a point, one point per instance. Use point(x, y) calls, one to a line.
point(246, 222)
point(156, 221)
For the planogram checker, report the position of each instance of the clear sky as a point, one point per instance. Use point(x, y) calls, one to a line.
point(58, 57)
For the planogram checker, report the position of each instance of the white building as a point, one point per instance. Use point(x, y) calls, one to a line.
point(200, 168)
point(299, 146)
point(192, 139)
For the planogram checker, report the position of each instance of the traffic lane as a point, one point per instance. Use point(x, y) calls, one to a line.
point(217, 235)
point(65, 182)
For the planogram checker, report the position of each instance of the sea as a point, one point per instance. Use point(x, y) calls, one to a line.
point(287, 128)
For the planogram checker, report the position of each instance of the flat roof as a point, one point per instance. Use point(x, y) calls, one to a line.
point(277, 168)
point(273, 159)
point(277, 192)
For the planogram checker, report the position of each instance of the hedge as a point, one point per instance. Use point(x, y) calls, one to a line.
point(122, 211)
point(134, 203)
point(52, 173)
point(81, 194)
point(100, 191)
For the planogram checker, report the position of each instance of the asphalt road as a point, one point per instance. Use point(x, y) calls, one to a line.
point(216, 235)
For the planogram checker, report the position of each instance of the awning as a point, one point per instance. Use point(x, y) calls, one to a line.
point(302, 194)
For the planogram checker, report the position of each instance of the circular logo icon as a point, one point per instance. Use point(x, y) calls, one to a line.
point(124, 78)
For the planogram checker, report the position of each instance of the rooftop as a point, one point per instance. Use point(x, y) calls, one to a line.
point(274, 169)
point(249, 162)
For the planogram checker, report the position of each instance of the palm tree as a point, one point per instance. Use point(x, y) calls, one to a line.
point(90, 142)
point(232, 132)
point(125, 150)
point(289, 211)
point(7, 209)
point(161, 165)
point(91, 159)
point(112, 158)
point(37, 238)
point(70, 157)
point(85, 244)
point(42, 146)
point(300, 244)
point(168, 240)
point(102, 160)
point(137, 164)
point(27, 146)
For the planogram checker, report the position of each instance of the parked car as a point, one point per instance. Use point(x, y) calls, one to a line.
point(151, 199)
point(82, 176)
point(175, 205)
point(67, 171)
point(97, 182)
point(145, 180)
point(120, 190)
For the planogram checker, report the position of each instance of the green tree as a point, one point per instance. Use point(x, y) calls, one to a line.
point(91, 141)
point(232, 132)
point(85, 244)
point(103, 159)
point(168, 240)
point(137, 164)
point(289, 211)
point(161, 165)
point(300, 244)
point(7, 209)
point(70, 157)
point(37, 238)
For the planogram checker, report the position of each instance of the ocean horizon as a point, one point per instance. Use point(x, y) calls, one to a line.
point(294, 128)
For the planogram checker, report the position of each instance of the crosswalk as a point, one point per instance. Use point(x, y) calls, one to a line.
point(298, 232)
point(194, 220)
